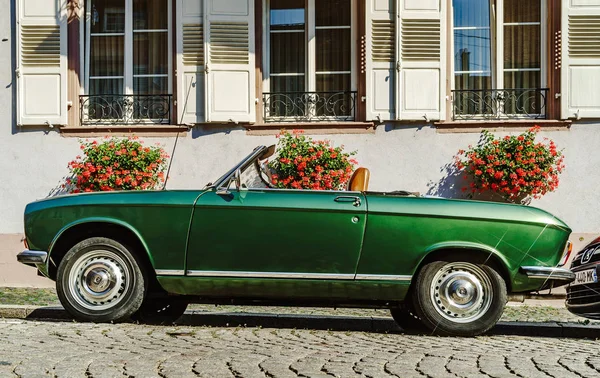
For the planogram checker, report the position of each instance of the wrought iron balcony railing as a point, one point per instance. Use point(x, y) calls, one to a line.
point(309, 106)
point(490, 104)
point(114, 109)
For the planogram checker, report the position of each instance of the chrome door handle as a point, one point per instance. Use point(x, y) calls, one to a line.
point(355, 200)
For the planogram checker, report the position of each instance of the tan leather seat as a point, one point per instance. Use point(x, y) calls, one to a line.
point(360, 180)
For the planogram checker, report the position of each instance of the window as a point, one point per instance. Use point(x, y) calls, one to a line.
point(127, 62)
point(498, 59)
point(310, 60)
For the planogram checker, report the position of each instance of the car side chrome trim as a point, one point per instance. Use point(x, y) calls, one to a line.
point(29, 257)
point(547, 273)
point(382, 277)
point(240, 274)
point(321, 276)
point(169, 272)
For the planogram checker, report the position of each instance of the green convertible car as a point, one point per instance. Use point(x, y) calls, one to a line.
point(447, 265)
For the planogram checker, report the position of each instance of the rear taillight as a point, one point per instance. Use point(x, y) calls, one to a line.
point(566, 254)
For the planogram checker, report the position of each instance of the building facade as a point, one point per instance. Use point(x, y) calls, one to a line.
point(407, 83)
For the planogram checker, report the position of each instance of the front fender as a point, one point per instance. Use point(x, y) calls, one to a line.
point(105, 220)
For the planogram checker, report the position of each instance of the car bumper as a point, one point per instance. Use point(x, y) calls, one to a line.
point(552, 277)
point(33, 258)
point(584, 299)
point(587, 310)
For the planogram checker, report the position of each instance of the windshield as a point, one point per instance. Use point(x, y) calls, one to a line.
point(249, 178)
point(244, 164)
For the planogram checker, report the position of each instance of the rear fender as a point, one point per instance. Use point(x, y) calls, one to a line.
point(470, 246)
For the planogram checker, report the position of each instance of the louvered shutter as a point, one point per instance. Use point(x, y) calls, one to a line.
point(190, 61)
point(380, 59)
point(41, 62)
point(421, 44)
point(581, 59)
point(229, 30)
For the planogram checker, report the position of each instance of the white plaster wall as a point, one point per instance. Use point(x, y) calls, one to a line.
point(32, 163)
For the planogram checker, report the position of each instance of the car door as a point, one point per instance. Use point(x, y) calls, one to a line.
point(272, 233)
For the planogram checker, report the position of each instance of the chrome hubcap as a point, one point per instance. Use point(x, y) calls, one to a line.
point(461, 292)
point(99, 280)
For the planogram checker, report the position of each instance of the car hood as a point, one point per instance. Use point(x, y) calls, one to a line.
point(141, 197)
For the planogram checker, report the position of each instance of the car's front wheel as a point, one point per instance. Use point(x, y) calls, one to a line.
point(459, 298)
point(100, 280)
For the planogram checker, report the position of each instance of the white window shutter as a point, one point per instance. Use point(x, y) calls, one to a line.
point(421, 46)
point(41, 62)
point(230, 76)
point(380, 59)
point(580, 77)
point(190, 61)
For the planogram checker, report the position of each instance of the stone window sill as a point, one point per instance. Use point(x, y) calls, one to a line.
point(475, 126)
point(312, 128)
point(124, 130)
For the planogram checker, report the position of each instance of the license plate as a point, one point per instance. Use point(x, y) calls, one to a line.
point(585, 277)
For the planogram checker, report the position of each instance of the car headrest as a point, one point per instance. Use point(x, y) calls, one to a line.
point(360, 180)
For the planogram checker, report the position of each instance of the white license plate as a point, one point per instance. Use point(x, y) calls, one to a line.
point(585, 277)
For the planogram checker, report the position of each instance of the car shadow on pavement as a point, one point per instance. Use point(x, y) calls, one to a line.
point(340, 323)
point(375, 324)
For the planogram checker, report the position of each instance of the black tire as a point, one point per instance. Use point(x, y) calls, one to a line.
point(407, 319)
point(469, 298)
point(100, 280)
point(160, 311)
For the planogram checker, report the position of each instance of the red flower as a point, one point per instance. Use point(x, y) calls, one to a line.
point(529, 165)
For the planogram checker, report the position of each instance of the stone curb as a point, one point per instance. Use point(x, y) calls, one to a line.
point(334, 323)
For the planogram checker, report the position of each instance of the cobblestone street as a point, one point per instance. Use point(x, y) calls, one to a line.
point(69, 349)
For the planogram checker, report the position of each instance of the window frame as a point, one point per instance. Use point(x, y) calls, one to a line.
point(128, 72)
point(310, 73)
point(497, 24)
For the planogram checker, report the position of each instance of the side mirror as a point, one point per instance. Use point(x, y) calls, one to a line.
point(237, 179)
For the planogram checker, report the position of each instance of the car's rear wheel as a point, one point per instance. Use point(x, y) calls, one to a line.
point(459, 298)
point(100, 280)
point(160, 310)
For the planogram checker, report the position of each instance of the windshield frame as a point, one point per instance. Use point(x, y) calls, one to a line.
point(256, 153)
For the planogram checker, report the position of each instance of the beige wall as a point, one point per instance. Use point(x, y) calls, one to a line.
point(12, 273)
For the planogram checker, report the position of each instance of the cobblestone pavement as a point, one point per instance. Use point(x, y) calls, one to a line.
point(69, 349)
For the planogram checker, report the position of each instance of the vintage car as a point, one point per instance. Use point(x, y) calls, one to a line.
point(583, 294)
point(449, 265)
